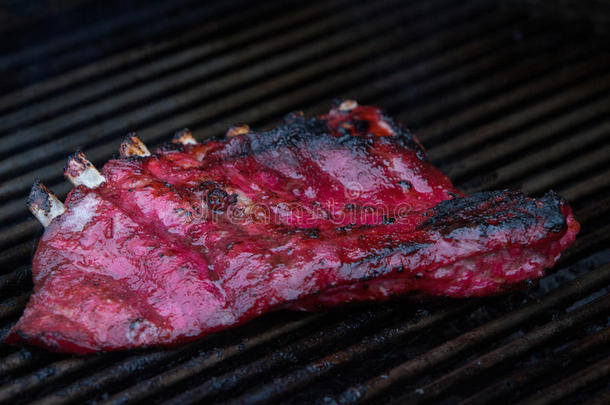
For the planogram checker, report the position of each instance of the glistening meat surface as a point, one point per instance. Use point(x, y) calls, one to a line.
point(167, 247)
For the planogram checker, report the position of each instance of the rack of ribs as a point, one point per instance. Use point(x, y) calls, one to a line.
point(163, 248)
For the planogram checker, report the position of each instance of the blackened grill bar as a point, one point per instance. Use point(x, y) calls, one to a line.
point(479, 336)
point(40, 104)
point(590, 375)
point(68, 49)
point(494, 97)
point(510, 351)
point(587, 346)
point(231, 101)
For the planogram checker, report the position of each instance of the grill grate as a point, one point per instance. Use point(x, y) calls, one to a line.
point(499, 100)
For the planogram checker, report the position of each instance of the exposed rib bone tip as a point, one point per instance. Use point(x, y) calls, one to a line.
point(240, 129)
point(133, 146)
point(44, 204)
point(185, 137)
point(81, 172)
point(348, 105)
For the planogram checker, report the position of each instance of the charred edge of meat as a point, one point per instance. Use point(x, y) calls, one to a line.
point(133, 146)
point(239, 129)
point(406, 137)
point(80, 171)
point(403, 134)
point(519, 212)
point(291, 135)
point(38, 196)
point(292, 116)
point(184, 137)
point(44, 204)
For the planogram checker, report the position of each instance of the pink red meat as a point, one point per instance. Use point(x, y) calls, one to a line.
point(314, 213)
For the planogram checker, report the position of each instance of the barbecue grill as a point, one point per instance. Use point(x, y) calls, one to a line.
point(502, 94)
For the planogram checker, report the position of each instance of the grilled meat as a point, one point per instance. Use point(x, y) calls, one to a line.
point(165, 248)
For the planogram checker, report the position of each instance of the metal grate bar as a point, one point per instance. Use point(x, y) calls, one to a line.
point(569, 97)
point(9, 257)
point(529, 138)
point(160, 130)
point(565, 172)
point(67, 51)
point(521, 94)
point(106, 76)
point(598, 371)
point(597, 239)
point(420, 112)
point(156, 79)
point(307, 345)
point(522, 377)
point(46, 375)
point(303, 376)
point(598, 182)
point(118, 371)
point(381, 89)
point(192, 81)
point(13, 305)
point(68, 41)
point(598, 208)
point(508, 352)
point(19, 360)
point(514, 88)
point(579, 288)
point(18, 232)
point(582, 139)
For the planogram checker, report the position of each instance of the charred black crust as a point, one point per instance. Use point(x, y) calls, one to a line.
point(406, 138)
point(293, 116)
point(298, 130)
point(76, 156)
point(39, 197)
point(293, 134)
point(311, 233)
point(374, 260)
point(169, 147)
point(551, 204)
point(217, 199)
point(489, 211)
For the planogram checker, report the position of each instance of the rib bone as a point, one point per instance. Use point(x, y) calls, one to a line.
point(81, 172)
point(348, 105)
point(44, 204)
point(185, 137)
point(235, 130)
point(133, 146)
